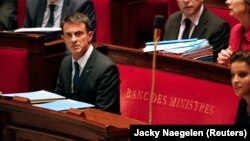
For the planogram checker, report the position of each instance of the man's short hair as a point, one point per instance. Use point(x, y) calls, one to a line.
point(77, 17)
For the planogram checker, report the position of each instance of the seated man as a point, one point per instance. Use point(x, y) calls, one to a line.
point(87, 75)
point(8, 16)
point(201, 24)
point(38, 12)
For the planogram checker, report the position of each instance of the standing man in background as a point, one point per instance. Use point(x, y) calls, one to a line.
point(86, 74)
point(38, 12)
point(8, 16)
point(202, 24)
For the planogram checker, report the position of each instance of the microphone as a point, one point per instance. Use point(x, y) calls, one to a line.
point(158, 23)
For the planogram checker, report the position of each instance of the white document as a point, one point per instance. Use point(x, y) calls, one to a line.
point(38, 29)
point(66, 104)
point(176, 46)
point(37, 96)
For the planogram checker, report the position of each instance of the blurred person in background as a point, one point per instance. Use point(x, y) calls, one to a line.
point(203, 24)
point(240, 33)
point(8, 16)
point(38, 12)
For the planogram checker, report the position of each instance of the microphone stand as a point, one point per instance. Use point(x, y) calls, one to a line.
point(157, 34)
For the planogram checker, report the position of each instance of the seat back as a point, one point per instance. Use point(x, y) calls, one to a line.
point(223, 13)
point(21, 11)
point(14, 70)
point(144, 26)
point(172, 7)
point(178, 99)
point(103, 21)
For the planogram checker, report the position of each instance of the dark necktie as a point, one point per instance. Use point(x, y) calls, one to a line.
point(76, 78)
point(186, 31)
point(51, 17)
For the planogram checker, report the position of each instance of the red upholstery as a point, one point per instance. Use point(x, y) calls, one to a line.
point(223, 13)
point(21, 6)
point(172, 7)
point(14, 70)
point(103, 21)
point(178, 99)
point(145, 29)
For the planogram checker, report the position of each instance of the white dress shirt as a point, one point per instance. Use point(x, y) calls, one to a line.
point(195, 21)
point(57, 13)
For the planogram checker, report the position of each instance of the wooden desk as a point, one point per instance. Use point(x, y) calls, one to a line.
point(44, 57)
point(25, 122)
point(136, 57)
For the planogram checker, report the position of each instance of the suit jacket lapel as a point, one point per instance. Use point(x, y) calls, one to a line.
point(65, 8)
point(201, 28)
point(87, 69)
point(68, 75)
point(176, 28)
point(40, 13)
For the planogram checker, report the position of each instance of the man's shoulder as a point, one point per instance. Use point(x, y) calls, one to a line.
point(103, 57)
point(67, 59)
point(32, 2)
point(176, 14)
point(212, 16)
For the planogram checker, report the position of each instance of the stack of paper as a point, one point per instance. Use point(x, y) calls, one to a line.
point(50, 100)
point(38, 29)
point(50, 32)
point(37, 96)
point(198, 49)
point(64, 105)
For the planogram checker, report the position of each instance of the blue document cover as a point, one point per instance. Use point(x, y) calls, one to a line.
point(177, 46)
point(66, 104)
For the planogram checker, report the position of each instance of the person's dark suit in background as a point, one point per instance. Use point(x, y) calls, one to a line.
point(8, 16)
point(205, 25)
point(99, 77)
point(36, 9)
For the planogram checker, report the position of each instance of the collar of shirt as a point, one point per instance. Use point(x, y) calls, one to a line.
point(195, 18)
point(57, 3)
point(57, 12)
point(83, 60)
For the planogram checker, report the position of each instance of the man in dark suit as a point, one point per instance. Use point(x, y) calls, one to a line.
point(204, 25)
point(38, 12)
point(87, 75)
point(8, 16)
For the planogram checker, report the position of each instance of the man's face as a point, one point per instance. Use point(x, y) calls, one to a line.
point(189, 7)
point(76, 38)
